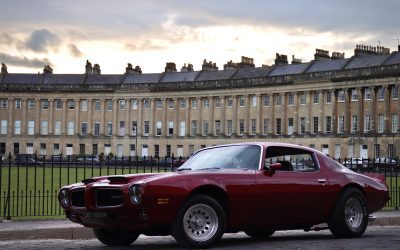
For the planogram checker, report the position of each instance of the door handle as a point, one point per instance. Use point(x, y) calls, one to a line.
point(322, 181)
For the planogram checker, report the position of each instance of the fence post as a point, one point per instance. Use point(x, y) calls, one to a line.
point(8, 203)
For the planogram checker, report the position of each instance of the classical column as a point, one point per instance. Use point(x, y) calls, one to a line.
point(272, 114)
point(386, 109)
point(11, 116)
point(140, 118)
point(200, 116)
point(89, 120)
point(103, 124)
point(51, 116)
point(347, 113)
point(334, 112)
point(235, 129)
point(176, 116)
point(295, 113)
point(309, 118)
point(77, 115)
point(115, 117)
point(187, 116)
point(164, 120)
point(212, 120)
point(37, 120)
point(360, 110)
point(152, 116)
point(223, 121)
point(259, 115)
point(24, 116)
point(321, 122)
point(284, 108)
point(374, 124)
point(247, 117)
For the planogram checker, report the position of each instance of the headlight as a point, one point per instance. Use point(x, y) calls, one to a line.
point(135, 194)
point(63, 197)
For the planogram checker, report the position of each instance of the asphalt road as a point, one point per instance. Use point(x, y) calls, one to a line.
point(376, 237)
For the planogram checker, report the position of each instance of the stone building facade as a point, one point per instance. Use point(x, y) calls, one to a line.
point(346, 107)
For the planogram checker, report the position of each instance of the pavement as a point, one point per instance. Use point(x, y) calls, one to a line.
point(67, 230)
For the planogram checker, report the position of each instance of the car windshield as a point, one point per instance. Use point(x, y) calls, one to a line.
point(225, 157)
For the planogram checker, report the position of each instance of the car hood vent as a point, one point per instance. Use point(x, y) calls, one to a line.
point(88, 181)
point(118, 179)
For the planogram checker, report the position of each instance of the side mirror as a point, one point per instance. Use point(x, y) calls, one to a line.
point(273, 167)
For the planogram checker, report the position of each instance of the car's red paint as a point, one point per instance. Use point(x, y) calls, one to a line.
point(251, 198)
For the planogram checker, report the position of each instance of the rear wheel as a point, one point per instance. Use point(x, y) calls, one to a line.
point(350, 215)
point(257, 233)
point(115, 237)
point(199, 223)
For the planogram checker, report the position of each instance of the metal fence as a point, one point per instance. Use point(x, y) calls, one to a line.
point(29, 185)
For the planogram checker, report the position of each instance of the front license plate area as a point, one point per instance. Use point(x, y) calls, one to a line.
point(96, 215)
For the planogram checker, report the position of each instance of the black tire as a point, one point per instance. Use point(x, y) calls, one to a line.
point(256, 233)
point(115, 237)
point(199, 223)
point(349, 219)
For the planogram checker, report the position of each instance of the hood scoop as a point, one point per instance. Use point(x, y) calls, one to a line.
point(88, 181)
point(118, 179)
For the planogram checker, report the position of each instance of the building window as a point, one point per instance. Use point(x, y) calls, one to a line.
point(229, 127)
point(367, 94)
point(290, 126)
point(83, 128)
point(205, 128)
point(194, 103)
point(70, 130)
point(31, 103)
point(290, 99)
point(2, 148)
point(315, 124)
point(341, 124)
point(354, 95)
point(328, 124)
point(109, 129)
point(381, 123)
point(253, 126)
point(395, 92)
point(134, 128)
point(59, 104)
point(170, 128)
point(217, 127)
point(16, 148)
point(191, 149)
point(57, 128)
point(303, 99)
point(168, 150)
point(122, 104)
point(158, 128)
point(82, 149)
point(84, 105)
point(44, 127)
point(302, 125)
point(278, 99)
point(278, 126)
point(241, 101)
point(109, 105)
point(159, 103)
point(18, 103)
point(146, 128)
point(121, 128)
point(316, 97)
point(391, 151)
point(217, 102)
point(134, 104)
point(156, 150)
point(97, 105)
point(182, 128)
point(377, 151)
point(4, 103)
point(206, 103)
point(132, 148)
point(146, 103)
point(354, 123)
point(341, 96)
point(56, 149)
point(241, 126)
point(395, 122)
point(328, 97)
point(96, 128)
point(229, 103)
point(182, 103)
point(265, 126)
point(194, 128)
point(71, 104)
point(266, 100)
point(367, 123)
point(4, 125)
point(42, 148)
point(17, 127)
point(254, 101)
point(95, 149)
point(31, 127)
point(171, 104)
point(381, 93)
point(45, 104)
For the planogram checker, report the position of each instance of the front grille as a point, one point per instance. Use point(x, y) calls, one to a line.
point(109, 197)
point(78, 198)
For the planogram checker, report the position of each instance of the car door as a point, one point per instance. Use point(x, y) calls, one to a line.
point(293, 196)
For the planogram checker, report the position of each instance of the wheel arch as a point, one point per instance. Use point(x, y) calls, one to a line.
point(346, 187)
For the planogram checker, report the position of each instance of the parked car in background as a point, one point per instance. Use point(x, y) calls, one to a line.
point(356, 163)
point(250, 187)
point(384, 163)
point(88, 159)
point(27, 159)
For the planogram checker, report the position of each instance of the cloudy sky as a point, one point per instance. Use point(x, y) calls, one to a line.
point(66, 33)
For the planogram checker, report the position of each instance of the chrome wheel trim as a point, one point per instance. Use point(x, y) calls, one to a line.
point(353, 213)
point(200, 222)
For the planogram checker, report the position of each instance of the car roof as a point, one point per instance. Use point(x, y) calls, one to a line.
point(269, 144)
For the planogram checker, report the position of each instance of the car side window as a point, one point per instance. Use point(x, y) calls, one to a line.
point(292, 159)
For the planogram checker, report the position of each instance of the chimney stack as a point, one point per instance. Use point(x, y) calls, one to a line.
point(188, 68)
point(281, 59)
point(170, 67)
point(321, 55)
point(209, 66)
point(47, 70)
point(295, 60)
point(368, 50)
point(96, 69)
point(88, 68)
point(131, 70)
point(337, 55)
point(3, 68)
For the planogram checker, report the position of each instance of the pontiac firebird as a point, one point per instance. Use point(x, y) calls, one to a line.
point(257, 188)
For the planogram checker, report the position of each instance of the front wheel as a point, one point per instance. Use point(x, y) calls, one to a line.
point(115, 237)
point(350, 216)
point(199, 223)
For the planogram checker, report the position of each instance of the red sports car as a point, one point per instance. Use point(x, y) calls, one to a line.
point(257, 188)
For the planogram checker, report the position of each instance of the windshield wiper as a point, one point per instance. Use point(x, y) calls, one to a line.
point(209, 168)
point(183, 169)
